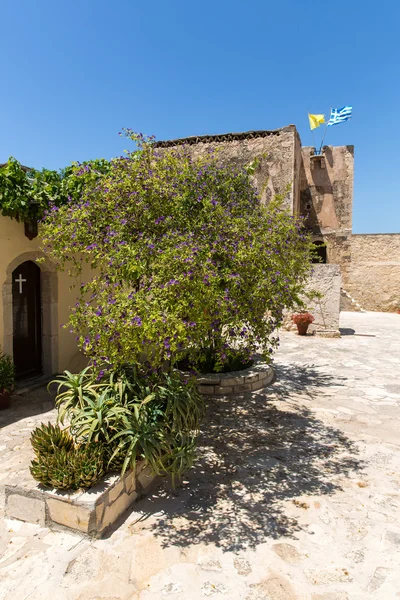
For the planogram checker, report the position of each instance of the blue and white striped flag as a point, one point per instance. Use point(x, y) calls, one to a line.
point(340, 115)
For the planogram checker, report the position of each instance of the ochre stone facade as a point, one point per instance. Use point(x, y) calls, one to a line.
point(59, 347)
point(321, 190)
point(278, 153)
point(374, 277)
point(326, 200)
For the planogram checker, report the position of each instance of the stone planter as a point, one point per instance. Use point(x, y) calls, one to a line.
point(254, 378)
point(92, 512)
point(5, 396)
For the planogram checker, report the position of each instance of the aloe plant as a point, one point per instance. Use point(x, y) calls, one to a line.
point(133, 417)
point(46, 439)
point(80, 467)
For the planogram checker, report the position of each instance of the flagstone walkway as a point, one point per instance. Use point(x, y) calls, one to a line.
point(296, 495)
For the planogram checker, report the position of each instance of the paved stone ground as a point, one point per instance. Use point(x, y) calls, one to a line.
point(296, 495)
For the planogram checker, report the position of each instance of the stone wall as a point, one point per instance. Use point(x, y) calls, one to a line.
point(325, 279)
point(279, 153)
point(374, 277)
point(326, 200)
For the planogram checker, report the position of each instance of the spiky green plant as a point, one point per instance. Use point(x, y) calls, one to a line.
point(54, 469)
point(88, 464)
point(80, 467)
point(46, 438)
point(73, 391)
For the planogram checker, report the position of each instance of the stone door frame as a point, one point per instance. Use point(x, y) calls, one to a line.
point(49, 300)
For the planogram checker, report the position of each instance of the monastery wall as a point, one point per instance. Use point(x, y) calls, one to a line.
point(374, 277)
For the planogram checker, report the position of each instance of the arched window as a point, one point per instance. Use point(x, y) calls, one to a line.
point(319, 252)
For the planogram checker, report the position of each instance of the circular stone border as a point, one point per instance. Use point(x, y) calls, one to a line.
point(256, 377)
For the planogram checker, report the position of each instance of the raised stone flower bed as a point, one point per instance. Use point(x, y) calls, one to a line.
point(91, 512)
point(254, 378)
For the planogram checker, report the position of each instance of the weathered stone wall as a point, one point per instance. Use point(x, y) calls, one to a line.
point(279, 153)
point(325, 279)
point(326, 200)
point(374, 277)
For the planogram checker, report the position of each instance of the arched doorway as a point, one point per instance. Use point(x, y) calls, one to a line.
point(319, 252)
point(45, 335)
point(27, 319)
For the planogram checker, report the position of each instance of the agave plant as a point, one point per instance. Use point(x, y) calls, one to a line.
point(179, 454)
point(130, 416)
point(140, 436)
point(81, 467)
point(45, 439)
point(54, 470)
point(88, 464)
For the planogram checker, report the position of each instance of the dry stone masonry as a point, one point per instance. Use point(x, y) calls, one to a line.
point(90, 512)
point(254, 378)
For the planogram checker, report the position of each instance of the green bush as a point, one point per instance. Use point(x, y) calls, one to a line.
point(7, 373)
point(27, 194)
point(184, 255)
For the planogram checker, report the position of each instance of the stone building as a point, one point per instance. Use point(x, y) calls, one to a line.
point(35, 298)
point(321, 190)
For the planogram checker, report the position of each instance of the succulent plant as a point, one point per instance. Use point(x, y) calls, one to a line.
point(79, 467)
point(89, 465)
point(54, 469)
point(47, 438)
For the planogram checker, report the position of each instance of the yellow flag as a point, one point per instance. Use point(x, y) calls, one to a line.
point(316, 120)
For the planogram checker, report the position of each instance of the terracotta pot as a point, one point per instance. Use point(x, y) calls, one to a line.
point(4, 399)
point(302, 328)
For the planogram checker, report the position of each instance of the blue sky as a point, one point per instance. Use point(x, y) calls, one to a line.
point(74, 73)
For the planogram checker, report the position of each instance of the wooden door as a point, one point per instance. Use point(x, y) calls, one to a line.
point(27, 319)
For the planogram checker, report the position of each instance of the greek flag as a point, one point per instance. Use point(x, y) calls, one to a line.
point(340, 115)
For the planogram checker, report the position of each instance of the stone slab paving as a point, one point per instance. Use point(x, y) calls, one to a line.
point(296, 495)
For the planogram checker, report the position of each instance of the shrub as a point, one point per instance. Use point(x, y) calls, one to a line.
point(7, 373)
point(184, 257)
point(26, 194)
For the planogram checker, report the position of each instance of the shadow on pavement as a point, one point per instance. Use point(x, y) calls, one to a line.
point(256, 452)
point(35, 403)
point(347, 331)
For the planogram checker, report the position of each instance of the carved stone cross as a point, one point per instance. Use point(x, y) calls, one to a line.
point(20, 281)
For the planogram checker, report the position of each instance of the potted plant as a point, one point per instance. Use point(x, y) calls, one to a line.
point(7, 377)
point(302, 320)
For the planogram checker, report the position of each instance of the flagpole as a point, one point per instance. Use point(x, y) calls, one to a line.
point(326, 129)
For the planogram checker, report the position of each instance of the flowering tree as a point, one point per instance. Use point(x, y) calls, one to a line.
point(184, 257)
